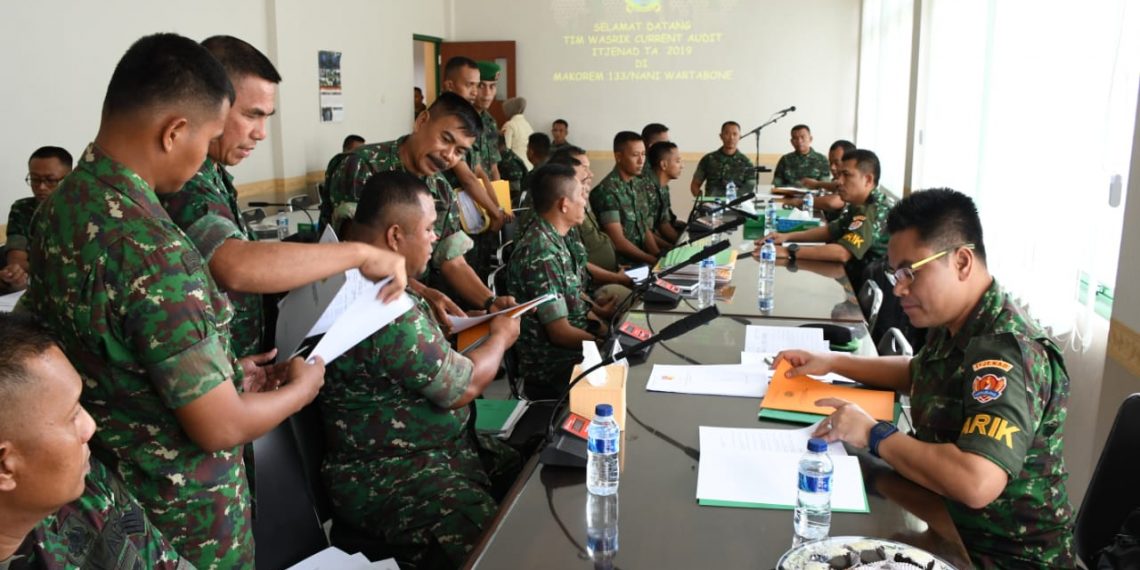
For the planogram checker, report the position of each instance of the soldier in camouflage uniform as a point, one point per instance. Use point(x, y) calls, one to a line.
point(666, 167)
point(859, 235)
point(802, 164)
point(485, 153)
point(547, 259)
point(623, 202)
point(128, 295)
point(988, 392)
point(438, 141)
point(726, 164)
point(65, 510)
point(652, 134)
point(404, 464)
point(46, 169)
point(512, 169)
point(558, 131)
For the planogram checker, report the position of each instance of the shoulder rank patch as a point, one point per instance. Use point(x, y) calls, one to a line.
point(856, 223)
point(1003, 365)
point(988, 388)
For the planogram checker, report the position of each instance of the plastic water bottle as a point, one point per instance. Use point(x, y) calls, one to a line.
point(706, 282)
point(766, 284)
point(602, 529)
point(282, 224)
point(602, 461)
point(730, 191)
point(809, 202)
point(813, 502)
point(770, 216)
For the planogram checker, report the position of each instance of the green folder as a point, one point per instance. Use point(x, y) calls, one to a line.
point(804, 417)
point(683, 253)
point(742, 505)
point(491, 415)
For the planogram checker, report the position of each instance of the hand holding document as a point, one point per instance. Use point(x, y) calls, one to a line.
point(800, 393)
point(472, 331)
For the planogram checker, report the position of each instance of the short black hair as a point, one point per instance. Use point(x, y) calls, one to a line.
point(729, 124)
point(55, 152)
point(451, 105)
point(164, 69)
point(386, 196)
point(417, 89)
point(351, 139)
point(801, 126)
point(566, 154)
point(866, 161)
point(844, 144)
point(456, 63)
point(548, 184)
point(653, 129)
point(623, 138)
point(944, 218)
point(562, 122)
point(658, 152)
point(539, 143)
point(241, 59)
point(23, 339)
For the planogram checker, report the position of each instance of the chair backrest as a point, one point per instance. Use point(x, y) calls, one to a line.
point(285, 524)
point(300, 202)
point(309, 433)
point(894, 343)
point(1113, 492)
point(871, 301)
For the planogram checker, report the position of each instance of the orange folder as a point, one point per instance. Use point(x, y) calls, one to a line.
point(799, 393)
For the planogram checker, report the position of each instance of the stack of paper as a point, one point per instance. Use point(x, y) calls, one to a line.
point(725, 260)
point(758, 468)
point(712, 380)
point(498, 417)
point(333, 558)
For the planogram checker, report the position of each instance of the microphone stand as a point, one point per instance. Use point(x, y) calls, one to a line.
point(756, 132)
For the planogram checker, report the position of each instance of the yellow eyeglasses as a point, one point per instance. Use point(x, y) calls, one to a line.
point(906, 273)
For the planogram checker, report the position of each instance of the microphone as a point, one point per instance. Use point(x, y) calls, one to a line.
point(788, 110)
point(707, 251)
point(674, 330)
point(725, 227)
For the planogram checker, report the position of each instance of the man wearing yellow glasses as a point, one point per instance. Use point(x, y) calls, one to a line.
point(46, 169)
point(988, 392)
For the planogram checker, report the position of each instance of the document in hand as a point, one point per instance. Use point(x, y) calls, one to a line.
point(758, 468)
point(473, 331)
point(799, 394)
point(343, 308)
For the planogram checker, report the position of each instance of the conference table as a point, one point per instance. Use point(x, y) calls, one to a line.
point(542, 521)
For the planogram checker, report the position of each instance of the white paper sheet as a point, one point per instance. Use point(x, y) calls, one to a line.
point(755, 467)
point(638, 274)
point(364, 315)
point(459, 324)
point(8, 302)
point(758, 338)
point(713, 380)
point(333, 558)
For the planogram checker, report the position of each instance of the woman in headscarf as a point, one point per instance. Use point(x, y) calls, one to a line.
point(517, 130)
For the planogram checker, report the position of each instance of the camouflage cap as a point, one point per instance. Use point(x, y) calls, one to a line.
point(488, 70)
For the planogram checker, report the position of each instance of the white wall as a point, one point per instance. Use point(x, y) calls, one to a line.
point(782, 53)
point(59, 56)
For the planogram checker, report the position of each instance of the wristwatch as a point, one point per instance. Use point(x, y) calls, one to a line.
point(792, 249)
point(490, 301)
point(879, 432)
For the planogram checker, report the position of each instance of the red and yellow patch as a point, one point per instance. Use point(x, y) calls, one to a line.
point(856, 223)
point(988, 387)
point(1000, 364)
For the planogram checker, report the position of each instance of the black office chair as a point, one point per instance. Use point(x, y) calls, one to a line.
point(1112, 492)
point(285, 526)
point(871, 301)
point(252, 215)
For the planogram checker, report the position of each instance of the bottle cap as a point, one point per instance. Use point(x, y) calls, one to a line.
point(603, 410)
point(770, 240)
point(817, 445)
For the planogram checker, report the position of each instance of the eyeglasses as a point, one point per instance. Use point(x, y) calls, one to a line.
point(34, 181)
point(906, 274)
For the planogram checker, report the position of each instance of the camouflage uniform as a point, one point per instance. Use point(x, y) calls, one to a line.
point(512, 169)
point(401, 465)
point(20, 223)
point(660, 203)
point(129, 297)
point(486, 154)
point(545, 262)
point(862, 231)
point(346, 183)
point(999, 389)
point(598, 245)
point(206, 208)
point(794, 167)
point(104, 528)
point(627, 203)
point(717, 168)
